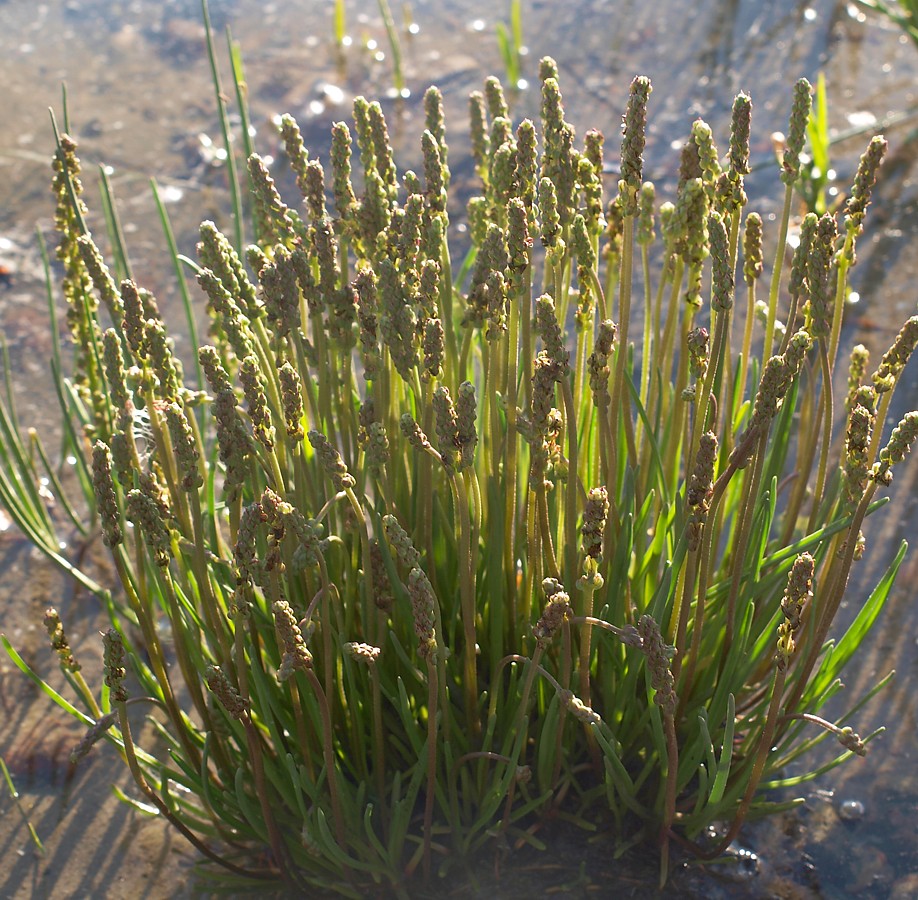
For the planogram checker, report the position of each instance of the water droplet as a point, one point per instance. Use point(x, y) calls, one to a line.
point(746, 866)
point(414, 28)
point(478, 25)
point(171, 194)
point(851, 810)
point(333, 94)
point(861, 119)
point(810, 14)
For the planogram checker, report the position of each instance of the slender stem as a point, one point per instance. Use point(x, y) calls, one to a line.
point(573, 482)
point(155, 652)
point(331, 770)
point(841, 286)
point(621, 398)
point(669, 805)
point(511, 443)
point(776, 273)
point(467, 594)
point(649, 335)
point(379, 747)
point(587, 617)
point(827, 415)
point(747, 337)
point(829, 598)
point(446, 313)
point(545, 530)
point(703, 397)
point(741, 540)
point(431, 761)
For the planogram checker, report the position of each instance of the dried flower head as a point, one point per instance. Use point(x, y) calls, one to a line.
point(230, 699)
point(634, 125)
point(331, 461)
point(579, 709)
point(59, 642)
point(895, 359)
point(797, 595)
point(364, 652)
point(113, 663)
point(296, 655)
point(721, 266)
point(900, 442)
point(481, 141)
point(557, 610)
point(104, 488)
point(144, 512)
point(292, 400)
point(753, 260)
point(93, 736)
point(659, 656)
point(796, 132)
point(423, 604)
point(593, 528)
point(856, 207)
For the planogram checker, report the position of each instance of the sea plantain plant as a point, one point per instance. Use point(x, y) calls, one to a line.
point(417, 552)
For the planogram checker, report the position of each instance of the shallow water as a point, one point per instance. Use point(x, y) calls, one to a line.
point(140, 102)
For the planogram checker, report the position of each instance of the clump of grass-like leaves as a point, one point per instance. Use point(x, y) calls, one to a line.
point(406, 562)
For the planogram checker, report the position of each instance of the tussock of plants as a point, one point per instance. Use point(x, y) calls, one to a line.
point(418, 550)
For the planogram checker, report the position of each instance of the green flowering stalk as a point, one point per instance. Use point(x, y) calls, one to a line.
point(790, 170)
point(859, 200)
point(113, 663)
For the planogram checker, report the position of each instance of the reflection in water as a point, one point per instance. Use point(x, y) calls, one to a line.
point(140, 101)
